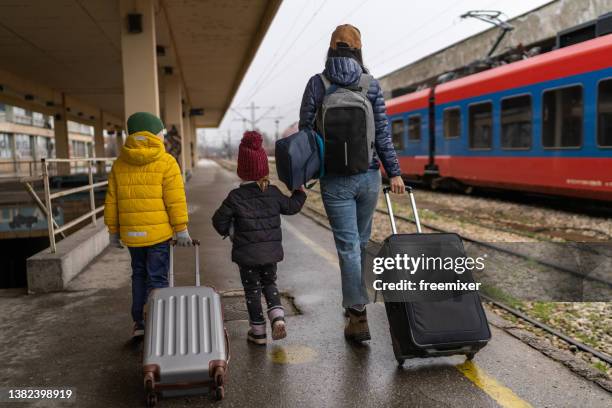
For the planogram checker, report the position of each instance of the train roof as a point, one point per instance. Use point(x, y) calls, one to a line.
point(409, 102)
point(583, 57)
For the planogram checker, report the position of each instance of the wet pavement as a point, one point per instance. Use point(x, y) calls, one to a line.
point(80, 338)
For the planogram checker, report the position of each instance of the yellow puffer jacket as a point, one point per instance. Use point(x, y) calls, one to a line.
point(145, 200)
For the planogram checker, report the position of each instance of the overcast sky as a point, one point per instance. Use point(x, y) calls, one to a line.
point(394, 34)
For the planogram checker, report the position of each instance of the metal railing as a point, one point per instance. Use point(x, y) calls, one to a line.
point(16, 169)
point(45, 206)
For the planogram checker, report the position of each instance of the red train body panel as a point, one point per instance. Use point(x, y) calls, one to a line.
point(583, 171)
point(582, 177)
point(409, 102)
point(589, 56)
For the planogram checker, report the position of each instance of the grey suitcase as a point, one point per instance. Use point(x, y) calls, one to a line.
point(186, 348)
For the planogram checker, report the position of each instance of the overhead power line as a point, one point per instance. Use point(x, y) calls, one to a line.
point(420, 42)
point(427, 22)
point(253, 119)
point(292, 62)
point(273, 59)
point(310, 20)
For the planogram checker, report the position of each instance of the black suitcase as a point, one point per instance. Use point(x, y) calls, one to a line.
point(453, 325)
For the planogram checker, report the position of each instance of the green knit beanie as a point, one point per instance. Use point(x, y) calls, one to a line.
point(144, 121)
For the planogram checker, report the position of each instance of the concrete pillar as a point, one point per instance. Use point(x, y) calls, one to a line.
point(99, 150)
point(119, 139)
point(99, 136)
point(173, 108)
point(194, 142)
point(62, 144)
point(187, 143)
point(139, 59)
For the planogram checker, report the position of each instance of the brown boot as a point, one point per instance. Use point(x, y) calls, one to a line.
point(357, 326)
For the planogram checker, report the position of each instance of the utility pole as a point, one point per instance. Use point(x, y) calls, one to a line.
point(253, 118)
point(276, 120)
point(253, 107)
point(229, 144)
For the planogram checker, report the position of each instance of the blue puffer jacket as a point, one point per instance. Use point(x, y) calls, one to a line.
point(346, 71)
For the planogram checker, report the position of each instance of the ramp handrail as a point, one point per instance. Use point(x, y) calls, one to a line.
point(52, 226)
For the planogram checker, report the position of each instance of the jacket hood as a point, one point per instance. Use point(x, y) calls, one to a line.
point(142, 148)
point(342, 70)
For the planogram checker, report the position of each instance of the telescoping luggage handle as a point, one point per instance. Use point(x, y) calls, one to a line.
point(196, 245)
point(417, 221)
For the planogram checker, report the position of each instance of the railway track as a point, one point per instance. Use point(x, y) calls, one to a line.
point(579, 345)
point(317, 215)
point(595, 208)
point(499, 248)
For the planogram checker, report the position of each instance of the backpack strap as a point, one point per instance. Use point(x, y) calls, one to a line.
point(326, 82)
point(364, 83)
point(329, 86)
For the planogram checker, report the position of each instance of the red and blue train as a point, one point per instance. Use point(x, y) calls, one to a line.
point(542, 124)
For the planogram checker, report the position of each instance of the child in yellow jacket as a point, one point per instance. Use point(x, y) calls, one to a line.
point(145, 206)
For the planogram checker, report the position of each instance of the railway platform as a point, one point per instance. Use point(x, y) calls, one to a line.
point(80, 338)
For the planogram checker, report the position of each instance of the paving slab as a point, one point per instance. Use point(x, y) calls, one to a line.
point(80, 339)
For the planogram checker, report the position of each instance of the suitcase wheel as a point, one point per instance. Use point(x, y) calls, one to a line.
point(219, 393)
point(219, 377)
point(151, 399)
point(150, 395)
point(219, 384)
point(470, 356)
point(400, 362)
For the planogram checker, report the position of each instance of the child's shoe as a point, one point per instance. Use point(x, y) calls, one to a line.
point(257, 334)
point(259, 339)
point(279, 329)
point(138, 330)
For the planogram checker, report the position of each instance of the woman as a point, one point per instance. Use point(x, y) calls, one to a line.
point(350, 200)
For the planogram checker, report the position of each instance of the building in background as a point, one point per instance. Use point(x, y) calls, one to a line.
point(27, 136)
point(81, 139)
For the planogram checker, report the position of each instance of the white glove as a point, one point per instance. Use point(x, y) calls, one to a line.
point(114, 241)
point(183, 239)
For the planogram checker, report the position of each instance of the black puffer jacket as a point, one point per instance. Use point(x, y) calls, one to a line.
point(257, 225)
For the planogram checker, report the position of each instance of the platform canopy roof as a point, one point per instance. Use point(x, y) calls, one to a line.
point(74, 46)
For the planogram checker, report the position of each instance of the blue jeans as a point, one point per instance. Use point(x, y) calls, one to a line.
point(150, 266)
point(350, 202)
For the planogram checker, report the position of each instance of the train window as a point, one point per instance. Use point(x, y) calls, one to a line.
point(452, 123)
point(516, 122)
point(414, 127)
point(604, 113)
point(481, 125)
point(397, 132)
point(562, 117)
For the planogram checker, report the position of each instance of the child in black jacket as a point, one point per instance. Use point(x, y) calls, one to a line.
point(253, 212)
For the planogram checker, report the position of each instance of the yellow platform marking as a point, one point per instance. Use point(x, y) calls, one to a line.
point(504, 396)
point(292, 354)
point(318, 249)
